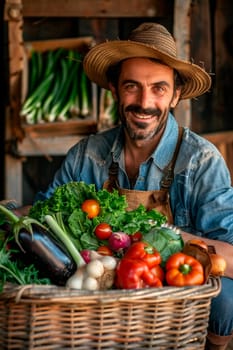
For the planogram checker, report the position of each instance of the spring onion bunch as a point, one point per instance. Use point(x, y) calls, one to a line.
point(58, 88)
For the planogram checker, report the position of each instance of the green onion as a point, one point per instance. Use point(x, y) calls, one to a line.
point(58, 87)
point(60, 233)
point(85, 111)
point(36, 97)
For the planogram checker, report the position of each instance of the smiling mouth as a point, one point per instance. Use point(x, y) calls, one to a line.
point(145, 117)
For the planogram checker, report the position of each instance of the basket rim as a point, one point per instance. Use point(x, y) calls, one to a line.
point(51, 293)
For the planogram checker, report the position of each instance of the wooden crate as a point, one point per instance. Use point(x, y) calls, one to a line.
point(72, 126)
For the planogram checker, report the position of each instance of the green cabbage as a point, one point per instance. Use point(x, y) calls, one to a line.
point(165, 240)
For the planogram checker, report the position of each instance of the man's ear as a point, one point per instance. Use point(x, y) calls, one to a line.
point(176, 98)
point(113, 91)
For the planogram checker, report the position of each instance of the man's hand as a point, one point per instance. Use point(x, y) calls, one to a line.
point(22, 211)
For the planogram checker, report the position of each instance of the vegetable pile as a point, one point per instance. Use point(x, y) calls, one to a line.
point(79, 209)
point(86, 239)
point(58, 88)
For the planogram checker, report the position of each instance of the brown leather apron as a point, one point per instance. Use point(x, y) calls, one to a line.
point(158, 199)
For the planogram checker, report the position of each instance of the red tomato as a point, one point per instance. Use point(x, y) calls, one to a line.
point(103, 230)
point(136, 237)
point(91, 207)
point(104, 250)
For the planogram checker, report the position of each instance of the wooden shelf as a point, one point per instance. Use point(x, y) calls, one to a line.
point(46, 146)
point(95, 9)
point(30, 147)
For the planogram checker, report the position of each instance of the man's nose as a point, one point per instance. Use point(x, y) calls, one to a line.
point(147, 99)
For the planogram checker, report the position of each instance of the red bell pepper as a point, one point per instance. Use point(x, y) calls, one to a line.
point(143, 251)
point(139, 268)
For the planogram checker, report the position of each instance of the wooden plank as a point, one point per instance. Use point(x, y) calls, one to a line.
point(182, 20)
point(13, 168)
point(81, 43)
point(47, 146)
point(201, 54)
point(15, 43)
point(13, 174)
point(95, 8)
point(13, 10)
point(69, 127)
point(200, 31)
point(219, 137)
point(221, 118)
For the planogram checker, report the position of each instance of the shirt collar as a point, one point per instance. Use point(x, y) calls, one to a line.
point(166, 147)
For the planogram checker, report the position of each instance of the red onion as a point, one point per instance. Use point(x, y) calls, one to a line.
point(86, 254)
point(119, 241)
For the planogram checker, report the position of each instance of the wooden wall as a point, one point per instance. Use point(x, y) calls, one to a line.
point(209, 42)
point(222, 97)
point(3, 96)
point(212, 44)
point(41, 21)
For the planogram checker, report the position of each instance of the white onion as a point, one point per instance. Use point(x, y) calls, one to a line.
point(109, 262)
point(95, 268)
point(90, 283)
point(76, 280)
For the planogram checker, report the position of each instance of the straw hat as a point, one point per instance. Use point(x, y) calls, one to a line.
point(150, 40)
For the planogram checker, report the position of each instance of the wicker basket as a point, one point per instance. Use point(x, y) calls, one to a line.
point(50, 317)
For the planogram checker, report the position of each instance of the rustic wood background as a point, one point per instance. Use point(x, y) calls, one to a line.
point(208, 23)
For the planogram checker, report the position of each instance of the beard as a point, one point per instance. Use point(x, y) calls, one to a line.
point(137, 130)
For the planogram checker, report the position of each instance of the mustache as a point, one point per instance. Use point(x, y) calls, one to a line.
point(145, 111)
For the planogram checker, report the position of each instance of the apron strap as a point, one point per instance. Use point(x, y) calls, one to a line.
point(112, 182)
point(169, 169)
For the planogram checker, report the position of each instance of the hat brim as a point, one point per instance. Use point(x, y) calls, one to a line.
point(97, 61)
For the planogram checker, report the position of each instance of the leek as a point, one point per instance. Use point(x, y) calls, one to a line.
point(60, 233)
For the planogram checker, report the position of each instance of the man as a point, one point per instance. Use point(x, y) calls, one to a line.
point(150, 159)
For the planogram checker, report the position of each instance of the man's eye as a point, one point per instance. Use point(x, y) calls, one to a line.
point(130, 87)
point(159, 90)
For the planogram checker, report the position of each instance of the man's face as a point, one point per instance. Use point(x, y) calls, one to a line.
point(145, 95)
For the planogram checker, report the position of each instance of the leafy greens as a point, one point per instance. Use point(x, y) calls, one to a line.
point(67, 200)
point(14, 270)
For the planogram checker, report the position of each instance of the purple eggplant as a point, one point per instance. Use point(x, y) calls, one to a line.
point(40, 248)
point(49, 257)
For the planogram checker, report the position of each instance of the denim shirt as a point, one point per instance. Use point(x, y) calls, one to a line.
point(201, 194)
